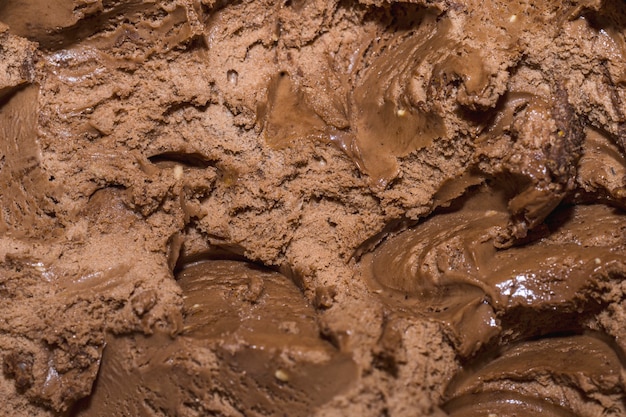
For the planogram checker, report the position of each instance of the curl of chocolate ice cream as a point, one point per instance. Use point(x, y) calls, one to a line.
point(577, 375)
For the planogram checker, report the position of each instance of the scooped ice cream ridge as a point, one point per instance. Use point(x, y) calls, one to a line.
point(323, 208)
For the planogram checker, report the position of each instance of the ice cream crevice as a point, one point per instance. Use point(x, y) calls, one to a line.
point(190, 159)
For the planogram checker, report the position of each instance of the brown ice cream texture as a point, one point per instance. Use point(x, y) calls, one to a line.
point(330, 208)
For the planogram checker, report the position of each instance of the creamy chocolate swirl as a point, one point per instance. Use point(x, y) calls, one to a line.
point(449, 268)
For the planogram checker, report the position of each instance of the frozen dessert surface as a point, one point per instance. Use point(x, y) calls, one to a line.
point(338, 208)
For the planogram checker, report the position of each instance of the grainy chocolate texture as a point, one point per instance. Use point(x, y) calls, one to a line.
point(423, 192)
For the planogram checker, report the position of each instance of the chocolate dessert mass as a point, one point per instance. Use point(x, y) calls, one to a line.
point(312, 208)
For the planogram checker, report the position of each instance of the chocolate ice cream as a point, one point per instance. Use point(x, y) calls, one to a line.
point(365, 207)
